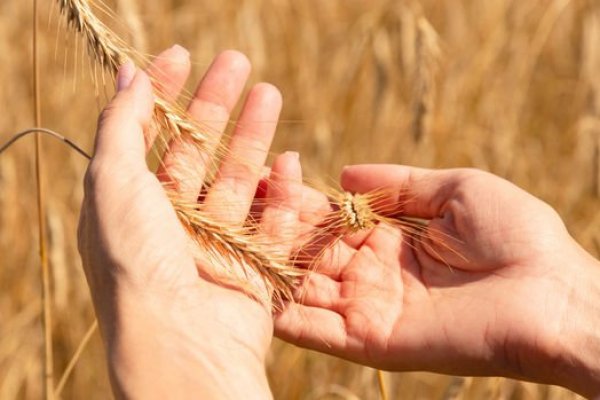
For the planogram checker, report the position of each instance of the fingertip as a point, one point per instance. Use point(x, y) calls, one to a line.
point(125, 75)
point(125, 119)
point(174, 56)
point(292, 155)
point(348, 177)
point(235, 60)
point(287, 165)
point(141, 87)
point(171, 69)
point(177, 53)
point(269, 95)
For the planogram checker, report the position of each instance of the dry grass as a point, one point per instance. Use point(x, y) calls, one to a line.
point(512, 90)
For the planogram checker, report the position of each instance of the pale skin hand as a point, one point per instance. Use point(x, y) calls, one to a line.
point(514, 295)
point(168, 332)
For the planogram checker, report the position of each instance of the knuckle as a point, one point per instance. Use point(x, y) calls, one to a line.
point(467, 180)
point(241, 176)
point(470, 175)
point(94, 176)
point(212, 101)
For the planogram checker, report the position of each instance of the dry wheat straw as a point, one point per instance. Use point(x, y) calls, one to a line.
point(45, 267)
point(45, 131)
point(73, 361)
point(381, 384)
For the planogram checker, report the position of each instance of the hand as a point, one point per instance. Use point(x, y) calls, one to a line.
point(168, 332)
point(495, 287)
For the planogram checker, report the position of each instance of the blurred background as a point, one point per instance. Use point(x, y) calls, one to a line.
point(509, 86)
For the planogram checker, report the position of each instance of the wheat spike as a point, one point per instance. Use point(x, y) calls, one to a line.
point(111, 52)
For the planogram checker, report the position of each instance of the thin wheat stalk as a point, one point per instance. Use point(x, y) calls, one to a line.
point(76, 356)
point(597, 164)
point(39, 166)
point(87, 337)
point(45, 131)
point(381, 383)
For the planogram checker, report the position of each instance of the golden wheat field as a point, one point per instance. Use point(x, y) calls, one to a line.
point(508, 86)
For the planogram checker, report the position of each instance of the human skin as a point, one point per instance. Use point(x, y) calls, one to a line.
point(168, 331)
point(499, 287)
point(510, 294)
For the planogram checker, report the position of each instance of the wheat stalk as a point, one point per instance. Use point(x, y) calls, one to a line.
point(45, 267)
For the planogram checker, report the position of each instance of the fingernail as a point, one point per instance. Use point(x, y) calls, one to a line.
point(125, 75)
point(180, 50)
point(294, 154)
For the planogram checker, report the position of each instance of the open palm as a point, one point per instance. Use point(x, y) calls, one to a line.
point(474, 296)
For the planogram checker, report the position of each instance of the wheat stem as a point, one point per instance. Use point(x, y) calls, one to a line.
point(76, 356)
point(45, 268)
point(381, 383)
point(45, 131)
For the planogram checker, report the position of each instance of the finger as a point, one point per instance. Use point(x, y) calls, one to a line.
point(284, 200)
point(319, 290)
point(168, 72)
point(411, 191)
point(185, 163)
point(329, 259)
point(314, 209)
point(316, 328)
point(122, 124)
point(385, 241)
point(230, 197)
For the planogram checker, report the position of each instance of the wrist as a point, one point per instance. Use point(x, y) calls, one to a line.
point(555, 338)
point(566, 349)
point(158, 349)
point(578, 367)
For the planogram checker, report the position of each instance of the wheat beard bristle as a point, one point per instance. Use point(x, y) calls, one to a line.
point(102, 43)
point(234, 247)
point(110, 52)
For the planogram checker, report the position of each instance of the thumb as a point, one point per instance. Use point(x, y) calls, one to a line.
point(415, 192)
point(124, 120)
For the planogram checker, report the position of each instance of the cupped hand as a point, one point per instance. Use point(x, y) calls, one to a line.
point(169, 333)
point(488, 288)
